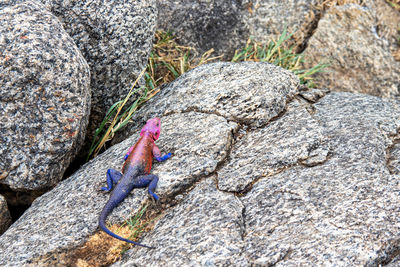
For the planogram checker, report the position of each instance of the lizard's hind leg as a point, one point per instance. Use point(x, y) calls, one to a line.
point(150, 180)
point(113, 177)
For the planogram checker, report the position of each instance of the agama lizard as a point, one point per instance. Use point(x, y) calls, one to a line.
point(135, 173)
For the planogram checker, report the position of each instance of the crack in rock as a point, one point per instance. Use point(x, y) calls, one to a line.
point(206, 230)
point(282, 143)
point(393, 155)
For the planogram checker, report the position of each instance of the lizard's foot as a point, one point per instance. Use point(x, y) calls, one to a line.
point(113, 177)
point(165, 157)
point(155, 197)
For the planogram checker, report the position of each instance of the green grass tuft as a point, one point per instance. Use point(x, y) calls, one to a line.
point(278, 53)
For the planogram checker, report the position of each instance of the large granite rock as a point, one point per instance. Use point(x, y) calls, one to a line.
point(327, 196)
point(44, 99)
point(340, 210)
point(115, 37)
point(358, 48)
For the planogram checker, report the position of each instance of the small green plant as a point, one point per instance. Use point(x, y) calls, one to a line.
point(136, 226)
point(168, 60)
point(277, 53)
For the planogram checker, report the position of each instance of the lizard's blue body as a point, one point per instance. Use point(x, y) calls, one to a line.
point(135, 173)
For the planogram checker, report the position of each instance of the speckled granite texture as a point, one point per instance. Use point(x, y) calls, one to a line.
point(215, 24)
point(212, 239)
point(283, 143)
point(5, 218)
point(394, 159)
point(329, 199)
point(115, 37)
point(44, 100)
point(357, 47)
point(267, 19)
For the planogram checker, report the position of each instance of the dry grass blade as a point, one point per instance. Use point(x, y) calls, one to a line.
point(105, 137)
point(169, 60)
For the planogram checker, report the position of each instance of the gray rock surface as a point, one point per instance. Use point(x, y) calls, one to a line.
point(44, 100)
point(394, 158)
point(350, 38)
point(226, 25)
point(115, 37)
point(290, 140)
point(395, 262)
point(387, 20)
point(329, 197)
point(212, 239)
point(5, 218)
point(210, 230)
point(341, 212)
point(251, 93)
point(267, 19)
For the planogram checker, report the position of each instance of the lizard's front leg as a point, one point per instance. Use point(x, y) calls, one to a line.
point(113, 177)
point(157, 154)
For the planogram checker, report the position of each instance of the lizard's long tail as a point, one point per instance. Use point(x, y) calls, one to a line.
point(102, 224)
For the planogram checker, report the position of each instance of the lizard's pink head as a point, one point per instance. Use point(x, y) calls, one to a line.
point(152, 126)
